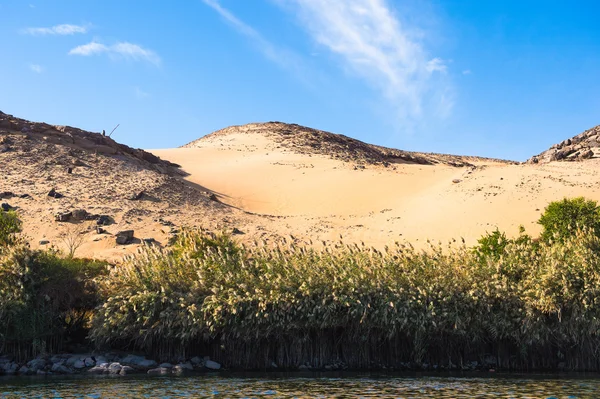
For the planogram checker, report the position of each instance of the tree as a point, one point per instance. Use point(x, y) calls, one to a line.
point(562, 219)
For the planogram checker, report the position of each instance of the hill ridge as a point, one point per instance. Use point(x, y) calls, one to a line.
point(307, 140)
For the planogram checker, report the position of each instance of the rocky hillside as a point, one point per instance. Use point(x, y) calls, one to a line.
point(306, 140)
point(67, 183)
point(79, 140)
point(585, 145)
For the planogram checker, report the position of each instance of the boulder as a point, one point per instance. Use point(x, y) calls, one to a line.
point(63, 216)
point(103, 220)
point(137, 196)
point(89, 362)
point(182, 368)
point(147, 363)
point(138, 361)
point(54, 194)
point(197, 361)
point(36, 364)
point(124, 237)
point(79, 364)
point(165, 365)
point(44, 242)
point(10, 368)
point(212, 365)
point(114, 368)
point(5, 207)
point(98, 370)
point(79, 214)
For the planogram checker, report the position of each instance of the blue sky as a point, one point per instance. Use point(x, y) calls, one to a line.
point(493, 78)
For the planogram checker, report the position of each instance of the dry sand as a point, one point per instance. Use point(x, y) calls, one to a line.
point(319, 198)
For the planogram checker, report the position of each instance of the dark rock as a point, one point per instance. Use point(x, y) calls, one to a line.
point(5, 207)
point(104, 220)
point(212, 365)
point(54, 194)
point(44, 242)
point(124, 237)
point(137, 196)
point(79, 214)
point(100, 230)
point(63, 216)
point(69, 170)
point(213, 197)
point(6, 194)
point(237, 231)
point(25, 196)
point(149, 240)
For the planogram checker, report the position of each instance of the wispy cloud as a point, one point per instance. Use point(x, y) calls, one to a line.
point(285, 58)
point(466, 72)
point(121, 49)
point(36, 68)
point(64, 29)
point(140, 94)
point(373, 44)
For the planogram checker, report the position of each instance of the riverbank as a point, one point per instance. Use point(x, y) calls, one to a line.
point(506, 304)
point(103, 364)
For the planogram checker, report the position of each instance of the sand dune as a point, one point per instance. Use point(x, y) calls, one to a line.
point(318, 197)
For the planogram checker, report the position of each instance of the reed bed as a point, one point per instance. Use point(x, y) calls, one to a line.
point(533, 305)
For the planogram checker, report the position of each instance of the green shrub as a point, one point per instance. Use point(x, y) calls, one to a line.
point(45, 300)
point(10, 226)
point(561, 219)
point(491, 245)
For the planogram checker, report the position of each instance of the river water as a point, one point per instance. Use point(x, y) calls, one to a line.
point(304, 386)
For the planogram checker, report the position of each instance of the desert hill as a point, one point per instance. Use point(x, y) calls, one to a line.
point(68, 184)
point(585, 145)
point(319, 185)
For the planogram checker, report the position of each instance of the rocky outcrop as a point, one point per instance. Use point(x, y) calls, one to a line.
point(305, 140)
point(583, 146)
point(78, 139)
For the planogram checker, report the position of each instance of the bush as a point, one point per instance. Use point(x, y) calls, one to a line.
point(10, 226)
point(46, 300)
point(491, 245)
point(561, 219)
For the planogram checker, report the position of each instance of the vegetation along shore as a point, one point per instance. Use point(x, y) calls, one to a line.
point(519, 303)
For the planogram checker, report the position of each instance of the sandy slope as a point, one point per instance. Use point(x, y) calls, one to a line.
point(316, 197)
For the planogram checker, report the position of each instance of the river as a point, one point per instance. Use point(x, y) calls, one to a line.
point(305, 386)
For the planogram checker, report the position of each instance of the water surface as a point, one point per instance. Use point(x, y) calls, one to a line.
point(303, 386)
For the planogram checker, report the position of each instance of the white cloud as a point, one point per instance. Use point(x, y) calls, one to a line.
point(140, 94)
point(373, 44)
point(36, 68)
point(436, 64)
point(466, 72)
point(120, 49)
point(89, 49)
point(64, 29)
point(281, 56)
